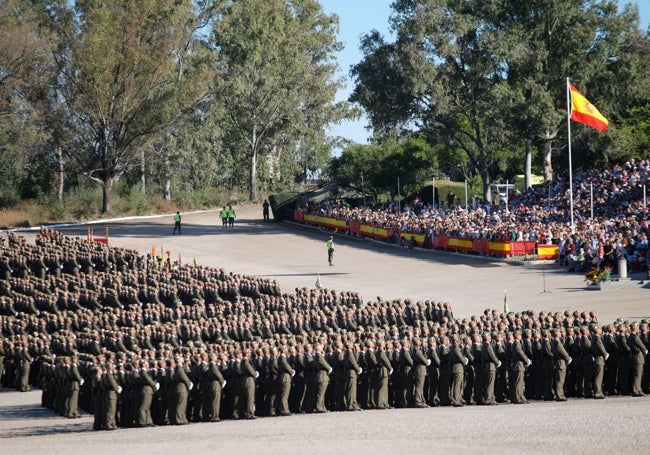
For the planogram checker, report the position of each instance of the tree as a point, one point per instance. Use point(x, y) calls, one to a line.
point(493, 73)
point(25, 70)
point(380, 165)
point(120, 80)
point(444, 56)
point(274, 79)
point(583, 40)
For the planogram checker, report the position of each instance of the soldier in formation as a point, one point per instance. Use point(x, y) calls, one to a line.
point(137, 344)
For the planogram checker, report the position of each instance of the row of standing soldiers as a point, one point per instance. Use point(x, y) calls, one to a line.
point(349, 375)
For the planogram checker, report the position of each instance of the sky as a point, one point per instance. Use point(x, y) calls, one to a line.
point(358, 17)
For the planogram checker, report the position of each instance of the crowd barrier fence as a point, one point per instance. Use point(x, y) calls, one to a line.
point(484, 247)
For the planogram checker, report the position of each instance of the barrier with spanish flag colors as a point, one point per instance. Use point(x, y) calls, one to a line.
point(443, 242)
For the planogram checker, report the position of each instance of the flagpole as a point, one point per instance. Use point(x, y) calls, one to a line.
point(568, 121)
point(591, 190)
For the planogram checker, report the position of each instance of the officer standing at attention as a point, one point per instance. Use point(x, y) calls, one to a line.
point(177, 223)
point(265, 210)
point(330, 249)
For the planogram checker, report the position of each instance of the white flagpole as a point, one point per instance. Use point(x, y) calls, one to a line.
point(507, 194)
point(466, 208)
point(568, 121)
point(591, 190)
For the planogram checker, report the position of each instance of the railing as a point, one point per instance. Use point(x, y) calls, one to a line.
point(442, 242)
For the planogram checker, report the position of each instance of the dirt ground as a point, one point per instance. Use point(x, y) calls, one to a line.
point(295, 257)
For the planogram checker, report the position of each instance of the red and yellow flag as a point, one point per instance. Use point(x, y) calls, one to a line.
point(584, 112)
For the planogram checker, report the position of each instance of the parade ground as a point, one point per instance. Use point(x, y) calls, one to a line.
point(296, 257)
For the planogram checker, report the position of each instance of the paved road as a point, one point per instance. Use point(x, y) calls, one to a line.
point(294, 257)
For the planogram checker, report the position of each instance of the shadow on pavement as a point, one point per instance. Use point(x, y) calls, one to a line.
point(24, 412)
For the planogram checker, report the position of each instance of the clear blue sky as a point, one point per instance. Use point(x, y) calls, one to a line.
point(358, 17)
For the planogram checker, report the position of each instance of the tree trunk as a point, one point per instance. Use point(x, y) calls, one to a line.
point(548, 148)
point(107, 194)
point(143, 178)
point(528, 164)
point(253, 177)
point(168, 180)
point(61, 172)
point(485, 178)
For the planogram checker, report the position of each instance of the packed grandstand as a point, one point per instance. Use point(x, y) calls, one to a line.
point(535, 222)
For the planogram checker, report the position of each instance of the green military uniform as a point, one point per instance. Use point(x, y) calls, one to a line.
point(490, 364)
point(323, 370)
point(639, 351)
point(420, 364)
point(384, 369)
point(352, 371)
point(284, 375)
point(561, 359)
point(213, 382)
point(458, 361)
point(180, 391)
point(146, 388)
point(519, 363)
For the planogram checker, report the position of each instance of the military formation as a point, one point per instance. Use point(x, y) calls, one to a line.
point(137, 342)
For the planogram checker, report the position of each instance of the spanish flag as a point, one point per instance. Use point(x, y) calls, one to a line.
point(584, 112)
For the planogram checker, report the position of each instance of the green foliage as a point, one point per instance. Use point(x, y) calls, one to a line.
point(632, 134)
point(213, 99)
point(411, 160)
point(487, 77)
point(275, 86)
point(138, 201)
point(124, 77)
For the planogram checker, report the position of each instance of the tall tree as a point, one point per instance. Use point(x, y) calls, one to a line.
point(25, 70)
point(119, 80)
point(491, 72)
point(275, 77)
point(583, 40)
point(444, 57)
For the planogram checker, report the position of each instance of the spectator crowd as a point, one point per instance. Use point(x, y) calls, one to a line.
point(618, 229)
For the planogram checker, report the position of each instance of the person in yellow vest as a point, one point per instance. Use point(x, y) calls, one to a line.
point(231, 216)
point(177, 223)
point(224, 216)
point(330, 250)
